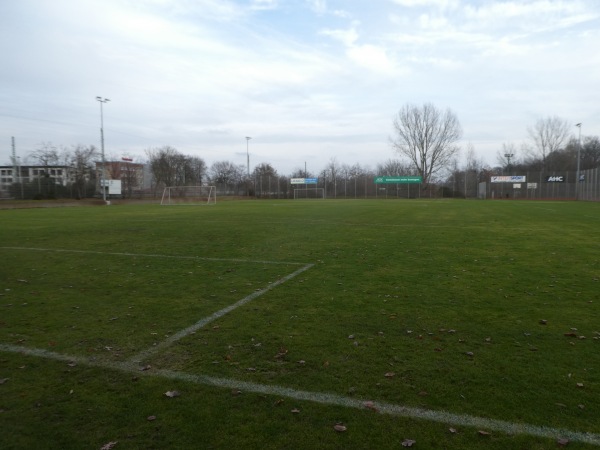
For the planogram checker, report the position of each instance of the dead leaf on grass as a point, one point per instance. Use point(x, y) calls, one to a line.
point(339, 427)
point(109, 446)
point(4, 380)
point(148, 367)
point(562, 442)
point(390, 375)
point(452, 430)
point(483, 433)
point(151, 418)
point(408, 443)
point(295, 411)
point(370, 405)
point(172, 394)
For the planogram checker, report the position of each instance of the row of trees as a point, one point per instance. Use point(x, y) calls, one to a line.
point(80, 162)
point(425, 138)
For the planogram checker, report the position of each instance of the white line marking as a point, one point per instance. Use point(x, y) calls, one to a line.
point(132, 366)
point(327, 399)
point(185, 332)
point(144, 255)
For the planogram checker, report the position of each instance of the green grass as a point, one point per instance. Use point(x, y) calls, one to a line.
point(446, 295)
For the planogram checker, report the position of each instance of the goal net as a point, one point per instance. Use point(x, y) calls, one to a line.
point(189, 195)
point(309, 193)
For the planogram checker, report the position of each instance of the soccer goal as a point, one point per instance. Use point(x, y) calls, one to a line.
point(309, 193)
point(189, 195)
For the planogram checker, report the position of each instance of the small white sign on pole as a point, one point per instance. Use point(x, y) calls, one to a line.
point(114, 186)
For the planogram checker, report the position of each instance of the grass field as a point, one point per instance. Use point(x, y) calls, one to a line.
point(454, 324)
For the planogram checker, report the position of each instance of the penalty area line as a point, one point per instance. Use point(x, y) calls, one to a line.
point(202, 322)
point(327, 399)
point(150, 255)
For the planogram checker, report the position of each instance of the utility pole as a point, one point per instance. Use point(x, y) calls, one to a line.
point(248, 163)
point(578, 159)
point(103, 178)
point(248, 155)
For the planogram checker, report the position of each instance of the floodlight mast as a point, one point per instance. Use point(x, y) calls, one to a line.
point(248, 155)
point(578, 125)
point(103, 176)
point(248, 163)
point(508, 156)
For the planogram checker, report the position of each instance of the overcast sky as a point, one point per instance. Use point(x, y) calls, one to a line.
point(308, 80)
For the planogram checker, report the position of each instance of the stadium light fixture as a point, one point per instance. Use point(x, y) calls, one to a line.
point(103, 179)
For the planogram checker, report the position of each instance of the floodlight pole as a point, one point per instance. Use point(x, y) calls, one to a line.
point(578, 125)
point(103, 178)
point(248, 155)
point(508, 156)
point(248, 162)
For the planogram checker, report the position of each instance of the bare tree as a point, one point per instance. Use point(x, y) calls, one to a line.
point(393, 167)
point(590, 152)
point(46, 155)
point(227, 173)
point(264, 170)
point(163, 162)
point(507, 155)
point(330, 174)
point(300, 173)
point(81, 161)
point(427, 136)
point(195, 170)
point(549, 135)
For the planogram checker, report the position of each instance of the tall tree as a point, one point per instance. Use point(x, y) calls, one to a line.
point(164, 162)
point(195, 170)
point(549, 135)
point(590, 152)
point(227, 173)
point(81, 161)
point(507, 156)
point(427, 136)
point(46, 155)
point(393, 167)
point(264, 170)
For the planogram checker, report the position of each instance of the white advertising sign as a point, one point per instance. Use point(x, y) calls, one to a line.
point(509, 179)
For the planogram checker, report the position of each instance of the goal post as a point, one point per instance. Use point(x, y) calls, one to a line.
point(309, 193)
point(189, 195)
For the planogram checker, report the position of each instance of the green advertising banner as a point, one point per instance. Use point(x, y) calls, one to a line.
point(398, 180)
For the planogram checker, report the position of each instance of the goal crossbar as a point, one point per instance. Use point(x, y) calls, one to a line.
point(309, 193)
point(189, 195)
